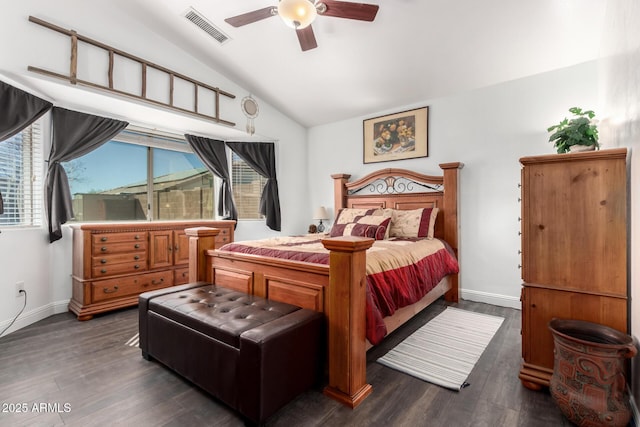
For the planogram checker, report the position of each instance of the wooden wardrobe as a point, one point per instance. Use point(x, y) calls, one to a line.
point(574, 249)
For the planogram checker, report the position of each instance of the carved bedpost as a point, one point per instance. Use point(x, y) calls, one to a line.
point(201, 239)
point(346, 310)
point(339, 191)
point(451, 228)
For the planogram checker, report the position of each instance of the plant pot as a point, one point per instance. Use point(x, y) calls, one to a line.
point(578, 148)
point(588, 382)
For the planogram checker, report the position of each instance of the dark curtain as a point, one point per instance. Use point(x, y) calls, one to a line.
point(74, 134)
point(261, 157)
point(18, 109)
point(213, 154)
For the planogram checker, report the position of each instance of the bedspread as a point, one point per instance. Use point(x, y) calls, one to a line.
point(399, 271)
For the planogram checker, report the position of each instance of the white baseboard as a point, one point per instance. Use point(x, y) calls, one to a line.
point(494, 299)
point(34, 315)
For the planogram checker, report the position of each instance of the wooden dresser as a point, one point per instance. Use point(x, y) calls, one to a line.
point(114, 262)
point(574, 249)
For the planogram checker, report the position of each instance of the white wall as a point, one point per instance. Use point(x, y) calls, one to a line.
point(620, 98)
point(488, 130)
point(25, 254)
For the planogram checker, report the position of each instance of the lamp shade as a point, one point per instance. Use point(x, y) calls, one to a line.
point(320, 213)
point(297, 14)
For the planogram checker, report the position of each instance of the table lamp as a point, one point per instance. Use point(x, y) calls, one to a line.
point(320, 214)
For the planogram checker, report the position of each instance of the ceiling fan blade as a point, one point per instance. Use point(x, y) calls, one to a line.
point(343, 9)
point(306, 38)
point(251, 17)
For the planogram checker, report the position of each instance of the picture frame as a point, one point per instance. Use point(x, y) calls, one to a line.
point(397, 136)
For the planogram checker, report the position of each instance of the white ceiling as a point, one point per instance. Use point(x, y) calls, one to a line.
point(415, 50)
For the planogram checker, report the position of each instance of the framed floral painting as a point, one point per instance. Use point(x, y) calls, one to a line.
point(396, 136)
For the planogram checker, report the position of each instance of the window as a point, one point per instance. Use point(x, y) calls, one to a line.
point(247, 186)
point(139, 176)
point(21, 178)
point(182, 186)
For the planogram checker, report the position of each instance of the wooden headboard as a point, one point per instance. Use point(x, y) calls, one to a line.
point(405, 189)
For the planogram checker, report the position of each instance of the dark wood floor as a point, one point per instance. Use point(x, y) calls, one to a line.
point(85, 375)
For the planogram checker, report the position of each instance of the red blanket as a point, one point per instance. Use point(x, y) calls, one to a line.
point(399, 272)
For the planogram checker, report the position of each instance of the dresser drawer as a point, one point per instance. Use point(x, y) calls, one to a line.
point(109, 260)
point(223, 237)
point(132, 285)
point(121, 268)
point(101, 238)
point(181, 276)
point(118, 247)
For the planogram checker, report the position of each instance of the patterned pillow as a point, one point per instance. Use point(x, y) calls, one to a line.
point(413, 223)
point(347, 215)
point(363, 226)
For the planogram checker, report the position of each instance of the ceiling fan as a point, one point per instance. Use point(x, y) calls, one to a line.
point(299, 14)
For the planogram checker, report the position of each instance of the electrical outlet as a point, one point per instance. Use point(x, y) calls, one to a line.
point(19, 289)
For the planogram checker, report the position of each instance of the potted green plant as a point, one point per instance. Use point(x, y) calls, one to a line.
point(580, 133)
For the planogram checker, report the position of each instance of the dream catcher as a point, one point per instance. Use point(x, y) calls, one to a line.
point(250, 109)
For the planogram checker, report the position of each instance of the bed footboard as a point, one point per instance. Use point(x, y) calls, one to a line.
point(338, 291)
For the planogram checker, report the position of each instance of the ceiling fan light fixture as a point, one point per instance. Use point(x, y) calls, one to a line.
point(297, 14)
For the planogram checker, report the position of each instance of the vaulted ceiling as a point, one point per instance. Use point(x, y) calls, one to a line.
point(415, 50)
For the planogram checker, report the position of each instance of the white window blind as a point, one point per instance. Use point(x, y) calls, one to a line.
point(247, 185)
point(21, 178)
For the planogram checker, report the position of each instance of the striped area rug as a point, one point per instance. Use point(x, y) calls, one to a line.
point(445, 350)
point(134, 341)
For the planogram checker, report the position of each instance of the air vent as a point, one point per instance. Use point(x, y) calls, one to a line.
point(194, 16)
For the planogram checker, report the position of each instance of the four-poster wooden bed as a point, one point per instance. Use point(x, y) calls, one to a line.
point(339, 288)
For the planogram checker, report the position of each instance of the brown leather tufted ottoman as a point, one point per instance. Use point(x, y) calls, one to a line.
point(253, 354)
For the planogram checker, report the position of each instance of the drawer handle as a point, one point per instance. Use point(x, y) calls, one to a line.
point(103, 261)
point(176, 247)
point(136, 266)
point(137, 246)
point(103, 271)
point(137, 237)
point(157, 282)
point(103, 249)
point(137, 257)
point(104, 239)
point(185, 274)
point(108, 291)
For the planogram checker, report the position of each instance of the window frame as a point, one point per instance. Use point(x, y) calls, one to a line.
point(152, 139)
point(31, 199)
